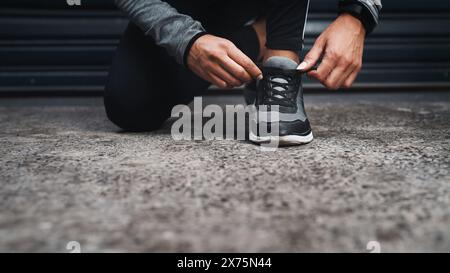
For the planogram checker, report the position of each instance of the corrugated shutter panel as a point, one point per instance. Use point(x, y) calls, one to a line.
point(49, 46)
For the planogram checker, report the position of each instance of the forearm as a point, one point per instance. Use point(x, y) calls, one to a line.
point(163, 23)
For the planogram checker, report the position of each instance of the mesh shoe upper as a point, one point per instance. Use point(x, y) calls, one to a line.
point(279, 87)
point(282, 88)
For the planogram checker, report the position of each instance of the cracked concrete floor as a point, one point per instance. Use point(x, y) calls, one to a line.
point(378, 169)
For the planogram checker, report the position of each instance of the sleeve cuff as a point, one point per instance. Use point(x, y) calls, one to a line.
point(189, 45)
point(358, 11)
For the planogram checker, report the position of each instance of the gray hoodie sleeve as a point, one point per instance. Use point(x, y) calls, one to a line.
point(368, 11)
point(167, 27)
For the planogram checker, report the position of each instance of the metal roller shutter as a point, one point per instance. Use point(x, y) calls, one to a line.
point(49, 46)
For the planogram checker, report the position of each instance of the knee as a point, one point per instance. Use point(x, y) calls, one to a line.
point(133, 117)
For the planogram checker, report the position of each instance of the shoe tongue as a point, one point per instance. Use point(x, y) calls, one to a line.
point(282, 63)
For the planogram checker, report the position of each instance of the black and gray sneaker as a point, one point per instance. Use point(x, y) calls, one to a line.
point(281, 93)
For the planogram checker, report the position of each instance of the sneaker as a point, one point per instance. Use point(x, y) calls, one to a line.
point(281, 86)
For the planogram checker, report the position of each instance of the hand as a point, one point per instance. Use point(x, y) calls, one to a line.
point(341, 45)
point(220, 62)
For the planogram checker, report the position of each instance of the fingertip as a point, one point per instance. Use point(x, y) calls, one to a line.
point(348, 84)
point(222, 85)
point(258, 72)
point(312, 74)
point(302, 66)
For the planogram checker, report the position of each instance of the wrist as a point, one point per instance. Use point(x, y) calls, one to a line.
point(189, 46)
point(367, 15)
point(353, 21)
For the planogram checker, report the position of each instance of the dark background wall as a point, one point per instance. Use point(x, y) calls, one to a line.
point(49, 46)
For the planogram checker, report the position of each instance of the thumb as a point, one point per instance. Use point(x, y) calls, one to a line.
point(313, 55)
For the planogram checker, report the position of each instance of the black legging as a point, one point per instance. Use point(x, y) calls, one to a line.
point(144, 82)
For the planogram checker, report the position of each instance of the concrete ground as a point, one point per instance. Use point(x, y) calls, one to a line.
point(378, 169)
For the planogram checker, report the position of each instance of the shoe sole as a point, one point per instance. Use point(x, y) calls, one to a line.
point(288, 140)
